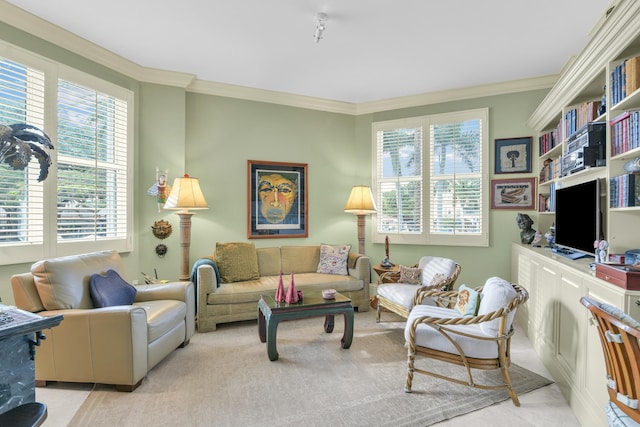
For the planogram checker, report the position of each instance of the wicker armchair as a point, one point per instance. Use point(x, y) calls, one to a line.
point(479, 342)
point(619, 334)
point(400, 298)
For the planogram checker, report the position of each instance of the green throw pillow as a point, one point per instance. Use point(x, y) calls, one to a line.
point(237, 261)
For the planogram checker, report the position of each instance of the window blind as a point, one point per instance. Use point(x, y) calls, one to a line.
point(21, 196)
point(399, 189)
point(92, 164)
point(455, 178)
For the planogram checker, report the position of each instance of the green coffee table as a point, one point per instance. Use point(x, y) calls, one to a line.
point(270, 313)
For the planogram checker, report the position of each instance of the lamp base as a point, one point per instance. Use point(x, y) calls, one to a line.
point(185, 243)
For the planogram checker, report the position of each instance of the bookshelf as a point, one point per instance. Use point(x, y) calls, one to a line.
point(602, 85)
point(557, 324)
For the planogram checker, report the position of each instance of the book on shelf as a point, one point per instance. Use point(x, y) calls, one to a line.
point(580, 116)
point(542, 203)
point(624, 191)
point(624, 79)
point(625, 132)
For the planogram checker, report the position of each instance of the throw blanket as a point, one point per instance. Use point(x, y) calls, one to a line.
point(204, 261)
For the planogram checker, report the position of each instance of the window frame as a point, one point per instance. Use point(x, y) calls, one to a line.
point(426, 237)
point(23, 252)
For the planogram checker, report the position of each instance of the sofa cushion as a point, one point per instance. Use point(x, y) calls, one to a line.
point(162, 316)
point(333, 259)
point(300, 259)
point(63, 282)
point(237, 261)
point(110, 289)
point(269, 261)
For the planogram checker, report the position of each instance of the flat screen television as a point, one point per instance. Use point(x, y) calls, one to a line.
point(578, 219)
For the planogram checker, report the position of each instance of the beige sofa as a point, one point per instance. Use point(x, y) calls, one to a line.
point(238, 300)
point(111, 345)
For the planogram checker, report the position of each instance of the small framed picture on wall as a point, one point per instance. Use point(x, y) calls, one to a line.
point(513, 193)
point(513, 155)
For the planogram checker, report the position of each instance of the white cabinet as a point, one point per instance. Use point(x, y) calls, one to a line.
point(558, 325)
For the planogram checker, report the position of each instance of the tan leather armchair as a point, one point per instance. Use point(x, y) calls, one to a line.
point(112, 345)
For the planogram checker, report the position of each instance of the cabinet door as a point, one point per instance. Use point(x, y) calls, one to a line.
point(524, 275)
point(545, 308)
point(571, 323)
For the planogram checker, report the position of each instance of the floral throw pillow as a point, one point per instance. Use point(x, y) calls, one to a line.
point(468, 301)
point(410, 275)
point(333, 259)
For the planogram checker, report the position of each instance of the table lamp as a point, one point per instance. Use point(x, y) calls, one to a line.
point(360, 203)
point(185, 194)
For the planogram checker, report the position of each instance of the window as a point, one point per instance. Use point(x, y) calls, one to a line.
point(431, 179)
point(83, 205)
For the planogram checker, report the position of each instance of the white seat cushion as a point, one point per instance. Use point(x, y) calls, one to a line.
point(426, 336)
point(401, 293)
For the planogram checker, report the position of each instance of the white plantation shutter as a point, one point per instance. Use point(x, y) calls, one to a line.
point(84, 204)
point(431, 179)
point(456, 178)
point(21, 196)
point(399, 175)
point(92, 164)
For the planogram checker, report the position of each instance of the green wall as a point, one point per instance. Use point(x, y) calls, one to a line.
point(212, 137)
point(508, 116)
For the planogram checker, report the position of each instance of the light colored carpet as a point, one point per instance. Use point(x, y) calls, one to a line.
point(224, 378)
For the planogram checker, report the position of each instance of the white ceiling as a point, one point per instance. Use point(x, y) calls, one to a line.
point(371, 50)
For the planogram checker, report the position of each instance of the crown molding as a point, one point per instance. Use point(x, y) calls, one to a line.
point(622, 26)
point(514, 86)
point(272, 97)
point(45, 30)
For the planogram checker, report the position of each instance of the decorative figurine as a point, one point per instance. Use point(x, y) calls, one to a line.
point(280, 290)
point(551, 237)
point(537, 238)
point(385, 262)
point(525, 222)
point(160, 189)
point(601, 247)
point(292, 294)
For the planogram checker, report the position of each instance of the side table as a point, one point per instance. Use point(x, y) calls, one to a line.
point(387, 275)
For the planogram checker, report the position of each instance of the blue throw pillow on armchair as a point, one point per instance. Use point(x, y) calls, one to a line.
point(110, 290)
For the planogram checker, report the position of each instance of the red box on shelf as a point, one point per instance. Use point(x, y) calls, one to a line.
point(622, 275)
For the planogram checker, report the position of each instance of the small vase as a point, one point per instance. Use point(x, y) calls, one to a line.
point(292, 294)
point(280, 295)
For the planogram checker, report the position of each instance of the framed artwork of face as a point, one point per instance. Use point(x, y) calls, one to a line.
point(277, 200)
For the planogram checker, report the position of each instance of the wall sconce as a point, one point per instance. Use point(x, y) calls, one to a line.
point(185, 194)
point(360, 203)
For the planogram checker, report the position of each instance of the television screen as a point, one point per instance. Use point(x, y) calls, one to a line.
point(578, 219)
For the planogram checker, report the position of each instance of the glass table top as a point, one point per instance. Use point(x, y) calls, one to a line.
point(311, 298)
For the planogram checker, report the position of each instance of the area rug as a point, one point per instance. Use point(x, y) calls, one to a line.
point(224, 378)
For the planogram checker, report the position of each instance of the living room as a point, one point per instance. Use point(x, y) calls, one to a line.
point(211, 131)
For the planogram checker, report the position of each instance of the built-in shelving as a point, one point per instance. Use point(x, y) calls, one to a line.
point(607, 70)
